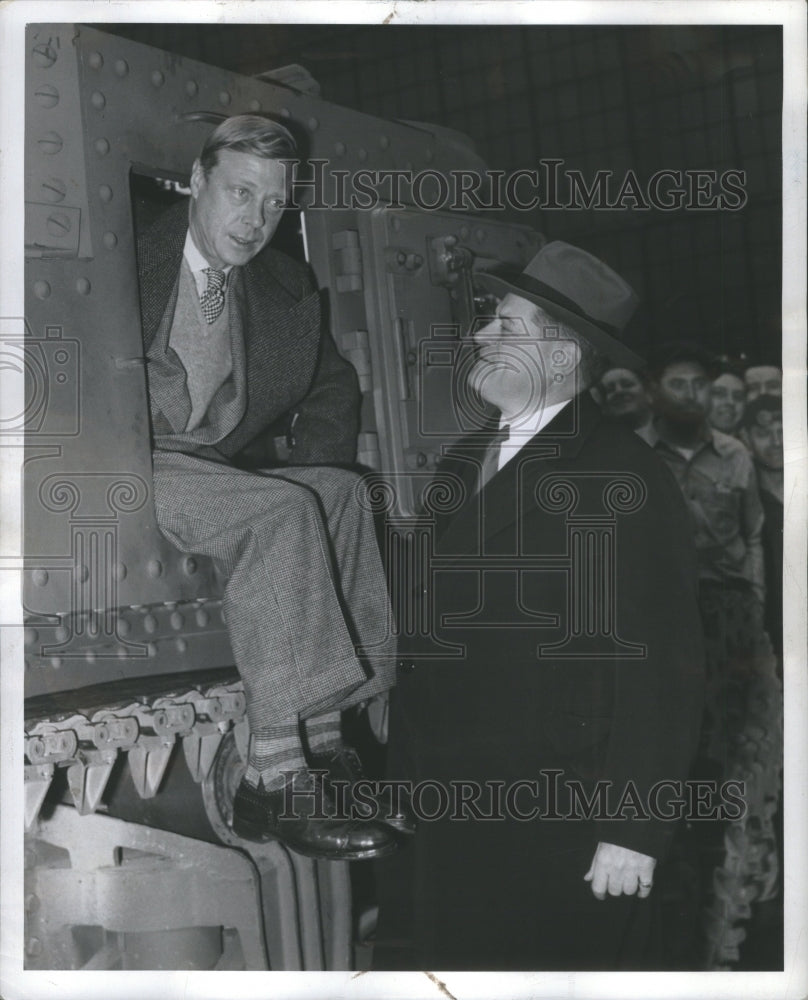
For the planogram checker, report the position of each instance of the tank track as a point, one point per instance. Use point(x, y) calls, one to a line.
point(86, 742)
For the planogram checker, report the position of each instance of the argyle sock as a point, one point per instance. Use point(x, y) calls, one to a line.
point(323, 732)
point(273, 750)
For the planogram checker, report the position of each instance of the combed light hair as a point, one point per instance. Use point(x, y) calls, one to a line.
point(254, 134)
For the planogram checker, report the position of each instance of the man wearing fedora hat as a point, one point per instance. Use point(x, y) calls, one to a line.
point(545, 740)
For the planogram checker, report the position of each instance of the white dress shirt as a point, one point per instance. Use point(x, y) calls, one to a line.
point(522, 430)
point(198, 264)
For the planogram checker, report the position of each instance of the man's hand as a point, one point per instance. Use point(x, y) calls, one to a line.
point(618, 870)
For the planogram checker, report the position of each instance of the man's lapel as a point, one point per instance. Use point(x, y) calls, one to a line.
point(510, 493)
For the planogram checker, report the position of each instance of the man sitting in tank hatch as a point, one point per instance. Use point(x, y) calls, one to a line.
point(234, 345)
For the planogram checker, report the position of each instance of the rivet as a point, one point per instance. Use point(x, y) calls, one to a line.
point(124, 628)
point(255, 105)
point(340, 148)
point(110, 241)
point(101, 147)
point(58, 224)
point(54, 189)
point(47, 96)
point(154, 568)
point(42, 289)
point(44, 56)
point(50, 143)
point(202, 618)
point(429, 154)
point(177, 621)
point(60, 634)
point(191, 88)
point(82, 573)
point(90, 656)
point(95, 60)
point(224, 98)
point(121, 67)
point(150, 624)
point(98, 100)
point(40, 577)
point(56, 662)
point(120, 571)
point(190, 566)
point(362, 153)
point(286, 113)
point(105, 193)
point(181, 644)
point(157, 78)
point(464, 232)
point(83, 286)
point(33, 948)
point(313, 124)
point(30, 636)
point(384, 141)
point(151, 649)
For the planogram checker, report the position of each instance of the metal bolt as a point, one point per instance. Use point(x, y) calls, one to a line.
point(105, 193)
point(181, 644)
point(98, 100)
point(54, 189)
point(110, 241)
point(83, 286)
point(177, 621)
point(191, 88)
point(202, 618)
point(42, 290)
point(255, 105)
point(50, 143)
point(58, 224)
point(40, 577)
point(61, 633)
point(313, 124)
point(154, 568)
point(47, 96)
point(157, 78)
point(44, 56)
point(191, 566)
point(121, 67)
point(286, 113)
point(124, 628)
point(33, 948)
point(120, 571)
point(150, 624)
point(95, 60)
point(30, 636)
point(224, 98)
point(101, 147)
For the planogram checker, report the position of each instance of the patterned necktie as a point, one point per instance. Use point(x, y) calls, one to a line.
point(212, 299)
point(488, 467)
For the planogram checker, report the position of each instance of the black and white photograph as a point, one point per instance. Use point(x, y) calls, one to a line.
point(403, 438)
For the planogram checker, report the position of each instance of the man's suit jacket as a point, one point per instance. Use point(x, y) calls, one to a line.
point(631, 716)
point(287, 371)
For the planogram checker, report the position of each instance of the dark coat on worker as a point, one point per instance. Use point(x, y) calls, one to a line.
point(298, 388)
point(565, 646)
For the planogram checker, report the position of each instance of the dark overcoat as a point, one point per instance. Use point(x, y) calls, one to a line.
point(565, 647)
point(295, 381)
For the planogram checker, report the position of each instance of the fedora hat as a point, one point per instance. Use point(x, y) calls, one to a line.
point(577, 289)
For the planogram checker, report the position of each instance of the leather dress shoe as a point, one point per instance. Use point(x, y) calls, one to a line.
point(302, 818)
point(343, 765)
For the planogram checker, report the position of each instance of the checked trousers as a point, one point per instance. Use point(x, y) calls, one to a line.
point(306, 601)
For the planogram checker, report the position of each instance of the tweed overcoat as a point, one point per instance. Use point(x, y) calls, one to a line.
point(295, 379)
point(520, 700)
